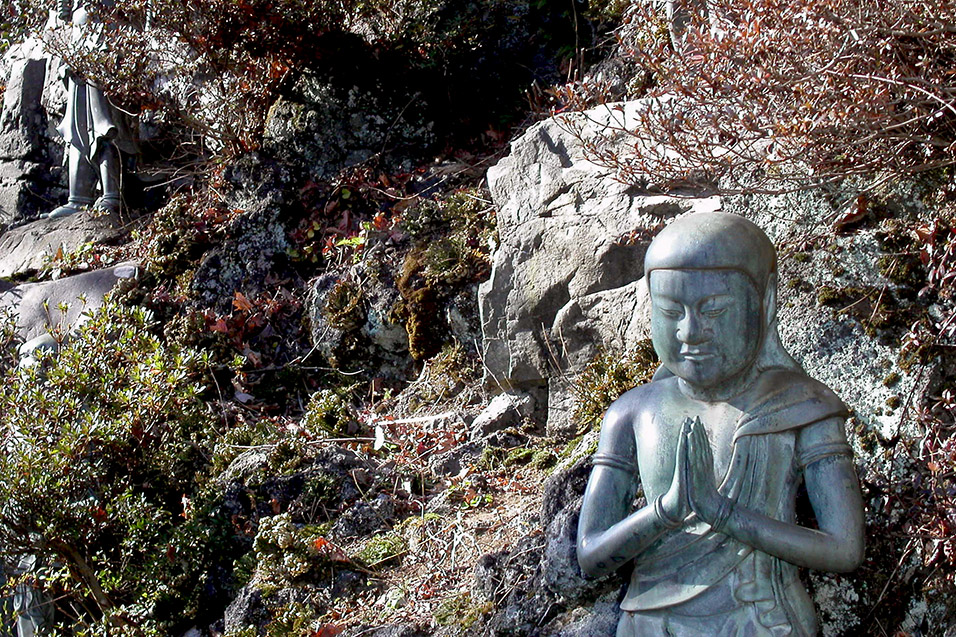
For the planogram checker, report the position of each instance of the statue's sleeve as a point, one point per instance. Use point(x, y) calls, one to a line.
point(617, 448)
point(820, 440)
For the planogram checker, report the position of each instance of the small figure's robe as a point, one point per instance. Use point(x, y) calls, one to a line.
point(91, 121)
point(698, 582)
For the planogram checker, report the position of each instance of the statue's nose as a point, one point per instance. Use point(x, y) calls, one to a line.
point(691, 330)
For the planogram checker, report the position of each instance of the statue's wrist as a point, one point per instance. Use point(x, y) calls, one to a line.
point(718, 521)
point(665, 518)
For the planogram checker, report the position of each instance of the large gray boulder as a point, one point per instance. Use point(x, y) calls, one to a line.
point(28, 248)
point(566, 278)
point(60, 305)
point(30, 150)
point(23, 119)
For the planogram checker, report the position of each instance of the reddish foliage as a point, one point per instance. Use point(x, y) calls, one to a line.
point(765, 89)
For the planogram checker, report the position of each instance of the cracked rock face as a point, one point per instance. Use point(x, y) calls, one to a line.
point(566, 278)
point(30, 151)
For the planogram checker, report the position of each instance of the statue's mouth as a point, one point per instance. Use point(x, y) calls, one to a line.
point(697, 356)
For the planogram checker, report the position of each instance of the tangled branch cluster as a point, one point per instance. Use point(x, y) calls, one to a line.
point(216, 65)
point(764, 91)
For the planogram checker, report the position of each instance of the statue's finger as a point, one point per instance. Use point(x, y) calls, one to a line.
point(702, 441)
point(693, 453)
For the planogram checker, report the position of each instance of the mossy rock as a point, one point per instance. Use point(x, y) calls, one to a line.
point(461, 610)
point(344, 306)
point(328, 414)
point(382, 549)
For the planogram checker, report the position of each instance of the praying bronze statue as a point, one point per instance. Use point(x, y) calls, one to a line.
point(721, 439)
point(95, 131)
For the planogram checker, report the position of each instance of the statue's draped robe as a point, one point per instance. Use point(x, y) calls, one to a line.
point(91, 121)
point(699, 582)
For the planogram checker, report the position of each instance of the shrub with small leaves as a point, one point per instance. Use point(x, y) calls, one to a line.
point(328, 413)
point(101, 442)
point(764, 93)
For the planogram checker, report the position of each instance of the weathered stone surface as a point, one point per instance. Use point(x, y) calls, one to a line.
point(450, 463)
point(23, 120)
point(246, 610)
point(363, 518)
point(29, 155)
point(505, 410)
point(27, 248)
point(566, 274)
point(39, 307)
point(26, 189)
point(254, 239)
point(353, 323)
point(308, 124)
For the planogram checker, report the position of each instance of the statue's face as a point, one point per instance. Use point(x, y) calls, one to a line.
point(706, 325)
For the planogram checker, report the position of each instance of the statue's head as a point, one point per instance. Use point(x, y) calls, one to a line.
point(712, 281)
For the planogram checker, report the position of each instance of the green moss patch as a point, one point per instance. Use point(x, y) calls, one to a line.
point(606, 378)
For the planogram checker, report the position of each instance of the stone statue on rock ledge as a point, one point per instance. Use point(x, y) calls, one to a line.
point(95, 131)
point(721, 439)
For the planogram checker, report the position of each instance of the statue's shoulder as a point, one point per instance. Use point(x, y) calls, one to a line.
point(784, 399)
point(643, 398)
point(623, 418)
point(794, 385)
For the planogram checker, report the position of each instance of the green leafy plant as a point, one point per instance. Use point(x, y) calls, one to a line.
point(606, 378)
point(18, 18)
point(328, 413)
point(102, 442)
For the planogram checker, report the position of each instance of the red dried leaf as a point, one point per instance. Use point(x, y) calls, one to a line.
point(241, 303)
point(856, 212)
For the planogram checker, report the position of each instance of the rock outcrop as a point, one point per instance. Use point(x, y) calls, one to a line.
point(308, 124)
point(30, 247)
point(566, 279)
point(29, 157)
point(254, 238)
point(60, 305)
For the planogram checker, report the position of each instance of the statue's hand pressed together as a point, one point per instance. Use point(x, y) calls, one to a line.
point(674, 506)
point(698, 462)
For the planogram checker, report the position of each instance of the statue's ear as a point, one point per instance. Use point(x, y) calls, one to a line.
point(770, 300)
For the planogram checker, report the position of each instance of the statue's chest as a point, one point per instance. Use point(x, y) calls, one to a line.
point(658, 434)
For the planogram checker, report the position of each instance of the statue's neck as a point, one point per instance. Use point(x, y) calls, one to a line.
point(724, 391)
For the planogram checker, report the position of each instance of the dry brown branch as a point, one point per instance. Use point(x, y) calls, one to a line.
point(768, 94)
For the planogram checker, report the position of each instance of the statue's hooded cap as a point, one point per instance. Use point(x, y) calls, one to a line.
point(721, 241)
point(714, 241)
